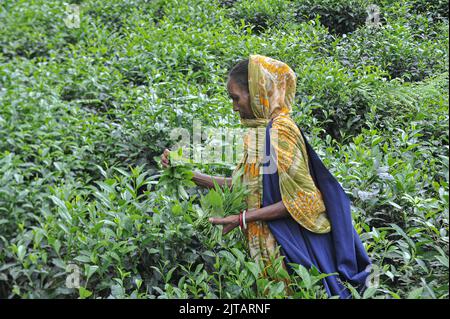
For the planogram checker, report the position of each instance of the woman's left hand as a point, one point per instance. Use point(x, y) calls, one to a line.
point(229, 222)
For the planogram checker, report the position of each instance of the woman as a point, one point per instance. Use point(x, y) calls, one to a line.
point(299, 205)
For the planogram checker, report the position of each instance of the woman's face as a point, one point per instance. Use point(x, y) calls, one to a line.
point(241, 99)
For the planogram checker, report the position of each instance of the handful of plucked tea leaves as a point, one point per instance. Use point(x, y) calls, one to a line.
point(222, 202)
point(225, 201)
point(177, 176)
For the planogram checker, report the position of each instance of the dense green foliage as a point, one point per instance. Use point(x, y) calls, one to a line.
point(85, 110)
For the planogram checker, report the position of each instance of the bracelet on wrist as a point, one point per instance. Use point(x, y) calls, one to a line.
point(243, 219)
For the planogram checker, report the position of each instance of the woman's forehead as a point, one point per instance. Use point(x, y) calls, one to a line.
point(231, 86)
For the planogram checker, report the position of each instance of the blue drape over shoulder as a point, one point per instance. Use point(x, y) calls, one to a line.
point(339, 251)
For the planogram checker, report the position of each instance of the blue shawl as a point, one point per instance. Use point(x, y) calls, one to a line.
point(339, 251)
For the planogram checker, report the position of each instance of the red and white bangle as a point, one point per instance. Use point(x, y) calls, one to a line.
point(243, 220)
point(240, 221)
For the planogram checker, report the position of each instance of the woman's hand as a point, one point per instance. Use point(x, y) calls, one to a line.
point(229, 222)
point(271, 212)
point(165, 158)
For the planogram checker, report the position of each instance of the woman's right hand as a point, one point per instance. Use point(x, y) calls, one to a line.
point(165, 158)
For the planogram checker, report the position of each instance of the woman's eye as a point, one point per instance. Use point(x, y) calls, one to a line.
point(234, 98)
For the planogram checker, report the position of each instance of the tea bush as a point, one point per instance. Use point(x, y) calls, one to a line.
point(411, 53)
point(85, 112)
point(340, 17)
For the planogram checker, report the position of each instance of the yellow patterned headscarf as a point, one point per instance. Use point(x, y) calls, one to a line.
point(272, 86)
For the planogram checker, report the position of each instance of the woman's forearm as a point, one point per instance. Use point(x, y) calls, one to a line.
point(207, 180)
point(274, 211)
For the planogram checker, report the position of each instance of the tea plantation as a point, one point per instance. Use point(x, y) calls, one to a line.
point(90, 91)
